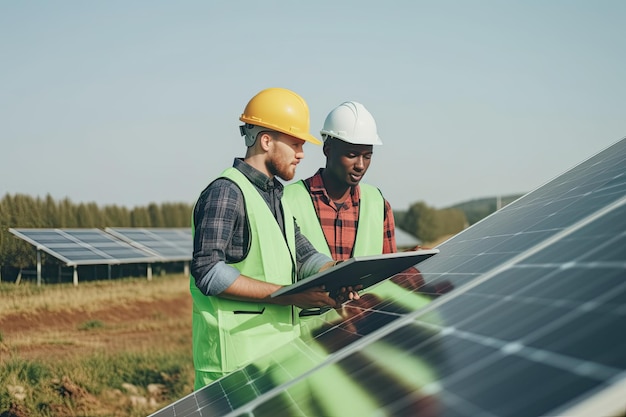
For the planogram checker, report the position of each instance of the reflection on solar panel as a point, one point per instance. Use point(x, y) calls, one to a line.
point(171, 244)
point(83, 246)
point(534, 325)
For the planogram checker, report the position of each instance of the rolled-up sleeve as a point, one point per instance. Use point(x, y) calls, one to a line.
point(216, 215)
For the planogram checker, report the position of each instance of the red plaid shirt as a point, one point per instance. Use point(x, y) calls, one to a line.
point(340, 224)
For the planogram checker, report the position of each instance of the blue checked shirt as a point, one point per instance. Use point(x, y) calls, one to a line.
point(222, 234)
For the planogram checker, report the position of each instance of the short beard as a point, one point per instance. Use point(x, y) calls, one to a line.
point(274, 168)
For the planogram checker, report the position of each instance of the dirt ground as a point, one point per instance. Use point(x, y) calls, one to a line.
point(130, 327)
point(91, 327)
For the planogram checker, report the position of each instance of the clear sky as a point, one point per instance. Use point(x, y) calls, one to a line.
point(133, 102)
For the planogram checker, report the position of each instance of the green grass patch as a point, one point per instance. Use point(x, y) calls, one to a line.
point(96, 376)
point(91, 325)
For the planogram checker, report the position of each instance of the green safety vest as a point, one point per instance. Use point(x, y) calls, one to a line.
point(228, 334)
point(369, 241)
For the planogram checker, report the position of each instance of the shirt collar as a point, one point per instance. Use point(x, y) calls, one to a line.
point(316, 185)
point(256, 177)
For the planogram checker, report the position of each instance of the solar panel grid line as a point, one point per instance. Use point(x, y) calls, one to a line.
point(531, 327)
point(537, 248)
point(532, 193)
point(570, 364)
point(302, 349)
point(79, 242)
point(132, 242)
point(108, 247)
point(331, 359)
point(169, 244)
point(565, 176)
point(39, 246)
point(82, 246)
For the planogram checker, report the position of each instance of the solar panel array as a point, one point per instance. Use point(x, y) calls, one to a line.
point(534, 324)
point(83, 246)
point(171, 244)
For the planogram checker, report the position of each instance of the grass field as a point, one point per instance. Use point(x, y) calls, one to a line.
point(106, 348)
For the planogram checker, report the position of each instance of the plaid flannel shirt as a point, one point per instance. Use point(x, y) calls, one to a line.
point(340, 224)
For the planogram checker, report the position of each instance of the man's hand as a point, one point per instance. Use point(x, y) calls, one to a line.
point(346, 294)
point(343, 294)
point(310, 298)
point(329, 265)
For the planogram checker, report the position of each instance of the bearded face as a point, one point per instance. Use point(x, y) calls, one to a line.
point(284, 154)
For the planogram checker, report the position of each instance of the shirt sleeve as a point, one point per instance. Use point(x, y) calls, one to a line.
point(216, 214)
point(389, 230)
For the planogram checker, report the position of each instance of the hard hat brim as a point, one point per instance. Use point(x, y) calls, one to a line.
point(300, 135)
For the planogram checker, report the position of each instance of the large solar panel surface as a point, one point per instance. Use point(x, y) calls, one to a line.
point(169, 244)
point(84, 246)
point(535, 324)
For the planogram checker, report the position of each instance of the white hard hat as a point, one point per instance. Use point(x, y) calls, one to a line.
point(352, 123)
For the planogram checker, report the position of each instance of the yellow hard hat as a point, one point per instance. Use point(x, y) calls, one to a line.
point(281, 110)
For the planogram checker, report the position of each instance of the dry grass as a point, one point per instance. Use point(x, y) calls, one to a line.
point(94, 338)
point(88, 296)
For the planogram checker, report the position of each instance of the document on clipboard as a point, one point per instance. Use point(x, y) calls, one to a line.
point(360, 270)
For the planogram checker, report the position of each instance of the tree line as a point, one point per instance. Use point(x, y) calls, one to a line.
point(23, 211)
point(429, 224)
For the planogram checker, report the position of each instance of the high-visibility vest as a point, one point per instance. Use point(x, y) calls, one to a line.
point(229, 334)
point(369, 241)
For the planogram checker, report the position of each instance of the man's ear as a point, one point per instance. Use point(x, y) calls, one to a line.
point(264, 139)
point(326, 148)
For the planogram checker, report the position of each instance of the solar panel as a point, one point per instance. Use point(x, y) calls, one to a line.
point(169, 244)
point(83, 246)
point(534, 325)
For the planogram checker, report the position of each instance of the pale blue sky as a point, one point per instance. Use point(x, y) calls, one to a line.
point(132, 102)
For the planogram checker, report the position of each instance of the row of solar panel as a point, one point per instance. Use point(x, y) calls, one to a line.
point(112, 245)
point(534, 324)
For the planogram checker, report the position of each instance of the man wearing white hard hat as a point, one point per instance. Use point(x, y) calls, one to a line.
point(344, 217)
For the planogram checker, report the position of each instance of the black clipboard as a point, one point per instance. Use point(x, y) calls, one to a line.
point(360, 270)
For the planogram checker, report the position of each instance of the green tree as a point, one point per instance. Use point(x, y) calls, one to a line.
point(140, 217)
point(156, 217)
point(50, 212)
point(67, 217)
point(85, 216)
point(429, 224)
point(116, 216)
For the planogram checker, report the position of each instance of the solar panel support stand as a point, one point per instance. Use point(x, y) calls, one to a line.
point(38, 268)
point(149, 273)
point(75, 276)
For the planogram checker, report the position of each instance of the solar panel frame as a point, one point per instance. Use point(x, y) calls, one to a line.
point(88, 246)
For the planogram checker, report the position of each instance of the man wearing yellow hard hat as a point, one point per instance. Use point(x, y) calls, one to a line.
point(247, 245)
